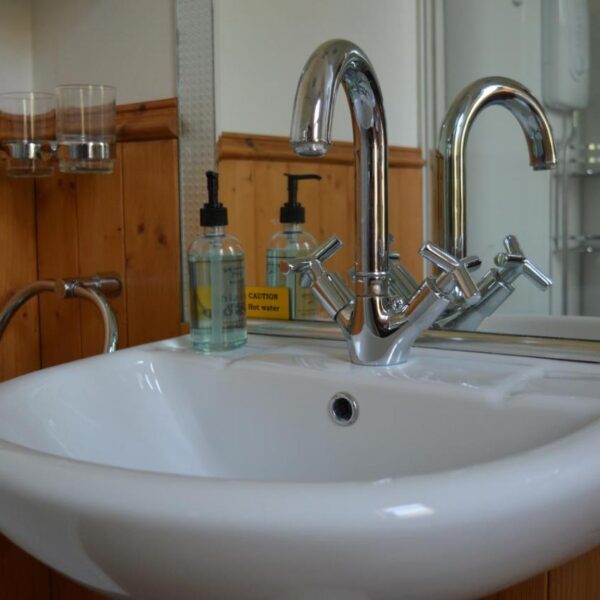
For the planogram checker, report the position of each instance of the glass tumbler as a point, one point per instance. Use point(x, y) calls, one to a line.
point(27, 127)
point(85, 127)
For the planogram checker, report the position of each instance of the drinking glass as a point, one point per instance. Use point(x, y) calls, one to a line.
point(26, 128)
point(86, 127)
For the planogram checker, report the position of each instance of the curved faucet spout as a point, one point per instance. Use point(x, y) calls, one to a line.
point(451, 200)
point(341, 62)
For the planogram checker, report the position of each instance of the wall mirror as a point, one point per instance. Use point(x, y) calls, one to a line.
point(424, 54)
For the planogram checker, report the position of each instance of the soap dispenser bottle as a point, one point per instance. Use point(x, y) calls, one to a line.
point(217, 282)
point(292, 242)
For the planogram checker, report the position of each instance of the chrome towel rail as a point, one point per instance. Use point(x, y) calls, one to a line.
point(95, 289)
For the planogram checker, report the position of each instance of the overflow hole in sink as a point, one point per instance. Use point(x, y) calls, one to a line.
point(343, 409)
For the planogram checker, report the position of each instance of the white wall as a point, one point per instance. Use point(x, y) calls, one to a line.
point(130, 44)
point(262, 45)
point(503, 194)
point(16, 70)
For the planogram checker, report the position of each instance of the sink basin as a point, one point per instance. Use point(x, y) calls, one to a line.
point(157, 473)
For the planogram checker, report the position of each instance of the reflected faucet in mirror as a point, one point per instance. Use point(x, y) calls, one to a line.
point(496, 285)
point(450, 156)
point(379, 326)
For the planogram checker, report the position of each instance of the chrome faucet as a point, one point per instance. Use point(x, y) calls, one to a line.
point(380, 327)
point(496, 285)
point(450, 206)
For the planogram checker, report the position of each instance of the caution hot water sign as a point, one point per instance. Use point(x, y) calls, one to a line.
point(268, 303)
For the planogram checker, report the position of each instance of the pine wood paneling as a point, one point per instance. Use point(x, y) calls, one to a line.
point(406, 216)
point(270, 188)
point(22, 577)
point(337, 198)
point(152, 244)
point(578, 579)
point(62, 588)
point(154, 120)
point(532, 589)
point(251, 146)
point(19, 347)
point(236, 183)
point(58, 256)
point(101, 248)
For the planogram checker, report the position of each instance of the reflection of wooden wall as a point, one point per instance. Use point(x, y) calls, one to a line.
point(253, 186)
point(69, 225)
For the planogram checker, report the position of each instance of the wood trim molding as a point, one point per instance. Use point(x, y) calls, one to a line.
point(152, 120)
point(249, 146)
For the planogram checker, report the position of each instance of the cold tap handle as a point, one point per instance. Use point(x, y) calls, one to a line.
point(511, 243)
point(514, 262)
point(326, 250)
point(440, 258)
point(456, 272)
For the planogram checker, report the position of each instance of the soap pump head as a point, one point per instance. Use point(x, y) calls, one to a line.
point(292, 211)
point(213, 213)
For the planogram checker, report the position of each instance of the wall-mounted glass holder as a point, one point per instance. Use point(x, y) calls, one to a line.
point(76, 126)
point(34, 158)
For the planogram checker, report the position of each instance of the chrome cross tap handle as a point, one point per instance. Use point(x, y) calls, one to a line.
point(304, 263)
point(455, 273)
point(495, 287)
point(328, 288)
point(513, 263)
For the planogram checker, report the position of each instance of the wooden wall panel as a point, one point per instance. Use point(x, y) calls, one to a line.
point(236, 183)
point(19, 347)
point(337, 198)
point(101, 248)
point(58, 256)
point(152, 241)
point(22, 577)
point(406, 216)
point(532, 589)
point(62, 588)
point(578, 579)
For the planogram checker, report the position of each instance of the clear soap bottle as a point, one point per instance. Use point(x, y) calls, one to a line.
point(217, 281)
point(293, 242)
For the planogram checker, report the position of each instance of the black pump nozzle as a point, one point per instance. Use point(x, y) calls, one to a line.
point(292, 211)
point(213, 213)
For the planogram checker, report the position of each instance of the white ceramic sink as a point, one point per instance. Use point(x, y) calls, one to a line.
point(155, 473)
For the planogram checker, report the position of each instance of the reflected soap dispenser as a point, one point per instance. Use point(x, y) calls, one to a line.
point(217, 282)
point(293, 242)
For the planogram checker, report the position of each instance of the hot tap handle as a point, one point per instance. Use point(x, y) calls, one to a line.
point(455, 269)
point(440, 258)
point(514, 262)
point(445, 261)
point(326, 250)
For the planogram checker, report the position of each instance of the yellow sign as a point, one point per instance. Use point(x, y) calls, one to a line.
point(268, 303)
